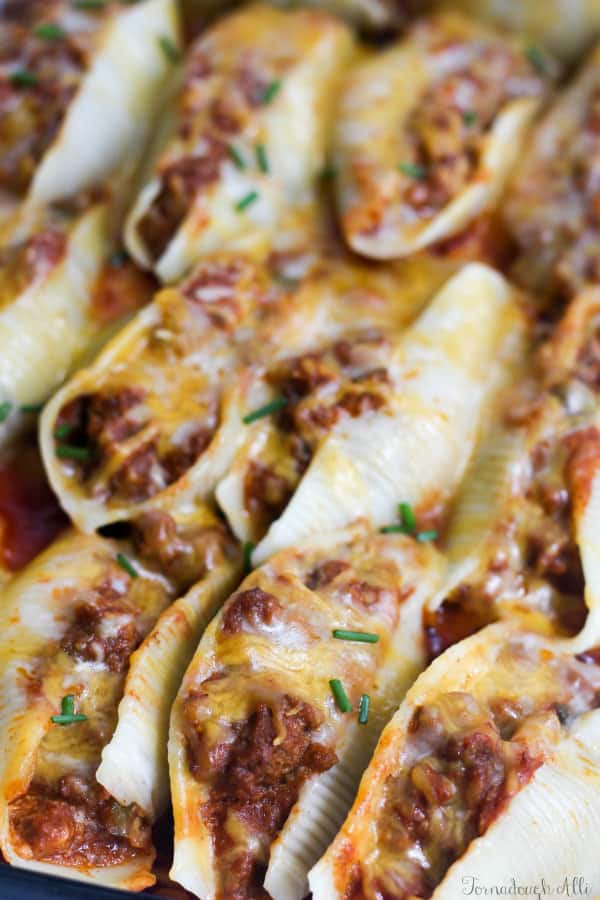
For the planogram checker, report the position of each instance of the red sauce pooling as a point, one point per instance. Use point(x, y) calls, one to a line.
point(30, 516)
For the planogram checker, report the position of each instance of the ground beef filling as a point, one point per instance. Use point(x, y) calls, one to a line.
point(536, 555)
point(320, 389)
point(31, 111)
point(469, 759)
point(254, 781)
point(183, 554)
point(77, 823)
point(180, 183)
point(99, 424)
point(104, 629)
point(452, 118)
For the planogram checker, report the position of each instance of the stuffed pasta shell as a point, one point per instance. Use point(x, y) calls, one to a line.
point(63, 290)
point(522, 539)
point(82, 628)
point(401, 420)
point(551, 206)
point(427, 133)
point(81, 84)
point(157, 419)
point(265, 747)
point(237, 169)
point(488, 772)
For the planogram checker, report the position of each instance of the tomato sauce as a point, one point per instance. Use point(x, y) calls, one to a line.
point(30, 516)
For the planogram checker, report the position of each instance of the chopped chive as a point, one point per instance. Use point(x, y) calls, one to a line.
point(248, 550)
point(328, 172)
point(236, 156)
point(32, 408)
point(62, 431)
point(363, 637)
point(536, 58)
point(126, 565)
point(246, 201)
point(286, 280)
point(363, 709)
point(271, 91)
point(341, 697)
point(413, 170)
point(67, 712)
point(424, 536)
point(23, 78)
point(266, 410)
point(170, 50)
point(5, 409)
point(469, 117)
point(89, 4)
point(50, 31)
point(262, 159)
point(407, 516)
point(68, 451)
point(393, 529)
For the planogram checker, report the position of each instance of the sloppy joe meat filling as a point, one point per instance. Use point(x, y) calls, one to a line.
point(451, 119)
point(255, 772)
point(347, 379)
point(535, 563)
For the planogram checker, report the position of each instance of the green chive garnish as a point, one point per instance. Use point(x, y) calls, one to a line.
point(286, 280)
point(236, 156)
point(62, 431)
point(424, 536)
point(170, 50)
point(23, 78)
point(50, 31)
point(363, 709)
point(67, 712)
point(266, 410)
point(392, 529)
point(5, 409)
point(271, 91)
point(246, 201)
point(536, 58)
point(261, 158)
point(328, 172)
point(363, 637)
point(407, 516)
point(89, 4)
point(126, 565)
point(68, 451)
point(32, 408)
point(413, 170)
point(248, 550)
point(341, 697)
point(469, 117)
